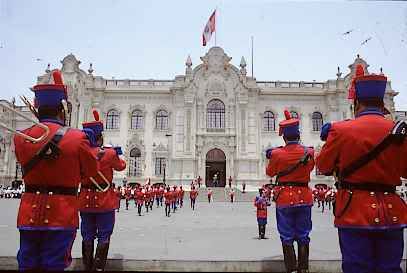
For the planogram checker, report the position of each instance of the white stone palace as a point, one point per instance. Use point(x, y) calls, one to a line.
point(214, 119)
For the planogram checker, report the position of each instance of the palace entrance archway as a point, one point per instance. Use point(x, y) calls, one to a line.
point(215, 168)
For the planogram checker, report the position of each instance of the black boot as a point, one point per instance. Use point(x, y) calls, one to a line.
point(303, 255)
point(290, 260)
point(263, 231)
point(87, 255)
point(101, 256)
point(260, 232)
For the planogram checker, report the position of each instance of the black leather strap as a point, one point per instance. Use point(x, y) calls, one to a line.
point(293, 183)
point(50, 190)
point(373, 187)
point(303, 160)
point(49, 151)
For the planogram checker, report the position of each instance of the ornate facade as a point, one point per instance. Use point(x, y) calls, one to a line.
point(170, 128)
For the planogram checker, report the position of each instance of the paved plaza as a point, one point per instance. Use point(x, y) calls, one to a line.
point(219, 231)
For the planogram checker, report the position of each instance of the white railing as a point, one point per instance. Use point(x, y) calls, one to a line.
point(288, 84)
point(140, 83)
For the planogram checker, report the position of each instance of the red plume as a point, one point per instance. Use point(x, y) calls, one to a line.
point(287, 114)
point(96, 115)
point(56, 74)
point(359, 71)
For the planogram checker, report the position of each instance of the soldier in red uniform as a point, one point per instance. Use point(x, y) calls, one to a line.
point(261, 203)
point(209, 195)
point(139, 199)
point(292, 165)
point(146, 198)
point(48, 213)
point(174, 198)
point(168, 198)
point(157, 195)
point(127, 195)
point(181, 196)
point(118, 197)
point(192, 195)
point(161, 191)
point(151, 203)
point(368, 156)
point(97, 200)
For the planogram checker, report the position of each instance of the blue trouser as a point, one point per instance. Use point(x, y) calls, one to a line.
point(371, 251)
point(45, 249)
point(294, 224)
point(97, 225)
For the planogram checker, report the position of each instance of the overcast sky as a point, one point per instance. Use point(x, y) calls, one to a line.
point(152, 39)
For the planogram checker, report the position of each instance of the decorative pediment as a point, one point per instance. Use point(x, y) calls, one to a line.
point(160, 148)
point(140, 107)
point(216, 60)
point(70, 64)
point(135, 141)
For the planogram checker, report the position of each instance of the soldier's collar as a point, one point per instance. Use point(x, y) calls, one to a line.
point(370, 111)
point(292, 142)
point(52, 120)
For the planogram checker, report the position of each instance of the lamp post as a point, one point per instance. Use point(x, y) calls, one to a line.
point(169, 155)
point(164, 165)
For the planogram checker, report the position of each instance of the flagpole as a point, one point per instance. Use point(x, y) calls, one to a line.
point(216, 28)
point(252, 56)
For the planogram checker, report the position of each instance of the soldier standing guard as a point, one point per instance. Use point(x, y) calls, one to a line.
point(48, 213)
point(181, 196)
point(292, 165)
point(368, 156)
point(192, 195)
point(98, 201)
point(168, 198)
point(261, 203)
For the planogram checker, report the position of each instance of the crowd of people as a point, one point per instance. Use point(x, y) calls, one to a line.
point(9, 192)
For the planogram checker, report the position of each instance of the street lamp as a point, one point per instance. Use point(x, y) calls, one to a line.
point(164, 172)
point(165, 163)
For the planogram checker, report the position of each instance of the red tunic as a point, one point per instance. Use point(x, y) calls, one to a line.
point(281, 159)
point(76, 161)
point(347, 141)
point(193, 194)
point(168, 197)
point(261, 204)
point(161, 192)
point(139, 197)
point(94, 201)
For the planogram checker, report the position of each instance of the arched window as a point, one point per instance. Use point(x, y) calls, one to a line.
point(294, 114)
point(215, 117)
point(269, 122)
point(137, 120)
point(112, 120)
point(317, 121)
point(135, 168)
point(161, 120)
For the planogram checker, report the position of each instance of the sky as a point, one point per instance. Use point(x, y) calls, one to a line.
point(151, 39)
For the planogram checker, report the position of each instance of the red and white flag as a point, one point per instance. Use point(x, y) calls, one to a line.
point(209, 29)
